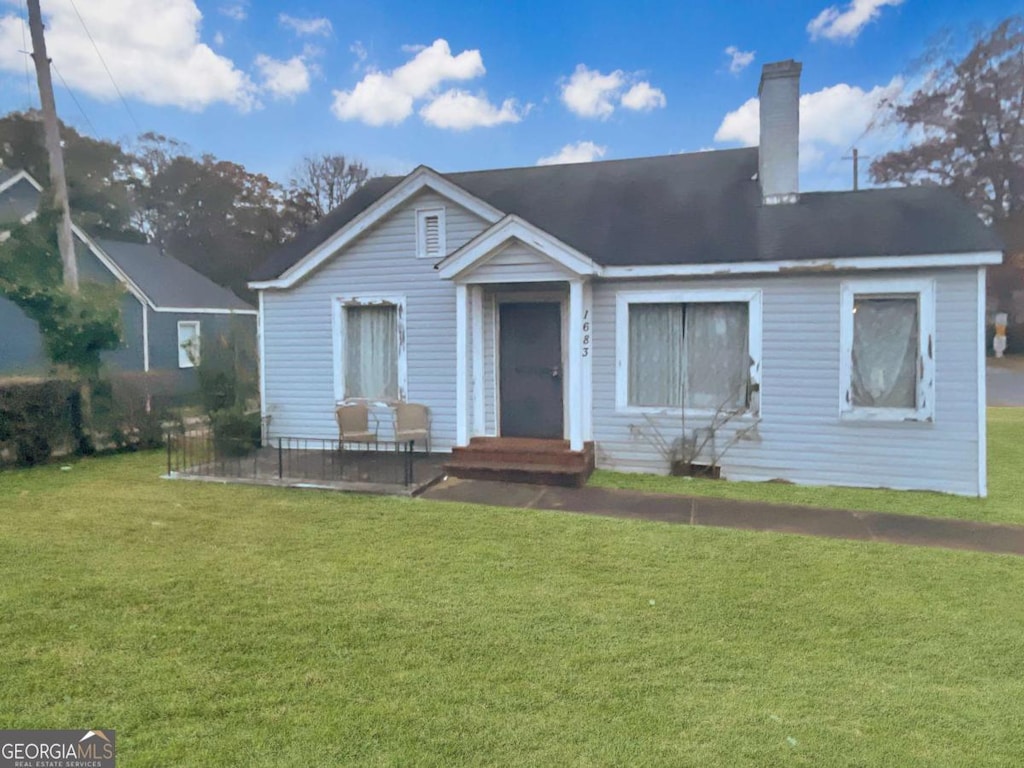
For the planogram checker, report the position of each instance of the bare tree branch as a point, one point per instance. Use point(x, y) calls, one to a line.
point(963, 125)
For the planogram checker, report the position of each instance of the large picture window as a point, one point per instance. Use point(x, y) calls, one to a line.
point(370, 349)
point(887, 349)
point(693, 350)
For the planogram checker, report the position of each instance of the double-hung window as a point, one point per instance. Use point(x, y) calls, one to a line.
point(887, 359)
point(369, 348)
point(693, 350)
point(188, 343)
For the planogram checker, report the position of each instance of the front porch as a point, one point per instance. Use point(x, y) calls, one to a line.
point(523, 347)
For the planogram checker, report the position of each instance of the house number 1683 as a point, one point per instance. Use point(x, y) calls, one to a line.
point(586, 333)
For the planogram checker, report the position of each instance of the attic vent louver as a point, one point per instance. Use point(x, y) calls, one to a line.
point(430, 235)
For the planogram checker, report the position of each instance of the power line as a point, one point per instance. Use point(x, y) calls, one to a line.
point(75, 99)
point(104, 63)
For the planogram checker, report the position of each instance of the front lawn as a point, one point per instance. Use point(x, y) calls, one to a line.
point(1005, 502)
point(227, 626)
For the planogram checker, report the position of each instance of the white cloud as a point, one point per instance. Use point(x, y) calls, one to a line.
point(236, 11)
point(218, 39)
point(387, 98)
point(589, 93)
point(159, 61)
point(460, 111)
point(315, 26)
point(358, 50)
point(643, 97)
point(830, 120)
point(580, 152)
point(739, 60)
point(835, 24)
point(283, 79)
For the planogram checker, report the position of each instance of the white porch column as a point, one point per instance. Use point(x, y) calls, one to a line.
point(476, 299)
point(461, 370)
point(575, 409)
point(588, 362)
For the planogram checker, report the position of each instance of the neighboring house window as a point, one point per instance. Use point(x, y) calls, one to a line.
point(188, 343)
point(887, 349)
point(430, 234)
point(370, 348)
point(696, 350)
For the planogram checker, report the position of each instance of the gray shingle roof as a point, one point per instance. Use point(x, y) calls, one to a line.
point(166, 281)
point(17, 201)
point(697, 208)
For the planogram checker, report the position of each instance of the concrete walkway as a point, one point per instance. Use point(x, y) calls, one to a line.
point(1005, 381)
point(748, 515)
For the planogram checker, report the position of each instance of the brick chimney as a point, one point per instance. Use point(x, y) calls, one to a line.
point(778, 161)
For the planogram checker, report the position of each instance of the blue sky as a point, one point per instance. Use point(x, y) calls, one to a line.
point(475, 85)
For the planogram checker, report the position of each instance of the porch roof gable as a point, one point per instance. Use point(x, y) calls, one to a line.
point(460, 264)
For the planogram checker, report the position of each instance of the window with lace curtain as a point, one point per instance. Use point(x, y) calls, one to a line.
point(887, 343)
point(692, 350)
point(370, 349)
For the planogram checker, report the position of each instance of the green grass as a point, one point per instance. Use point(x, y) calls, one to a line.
point(229, 625)
point(1004, 504)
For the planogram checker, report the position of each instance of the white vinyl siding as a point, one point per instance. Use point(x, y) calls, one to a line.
point(518, 263)
point(801, 436)
point(298, 327)
point(188, 343)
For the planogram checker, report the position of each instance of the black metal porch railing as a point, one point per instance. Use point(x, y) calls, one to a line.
point(198, 452)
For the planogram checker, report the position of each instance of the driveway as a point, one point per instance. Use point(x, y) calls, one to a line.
point(1005, 381)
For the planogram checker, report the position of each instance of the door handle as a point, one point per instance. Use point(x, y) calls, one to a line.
point(555, 371)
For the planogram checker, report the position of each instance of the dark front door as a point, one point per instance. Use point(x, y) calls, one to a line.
point(530, 350)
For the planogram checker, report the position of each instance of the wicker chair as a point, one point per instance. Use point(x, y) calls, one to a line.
point(412, 422)
point(354, 424)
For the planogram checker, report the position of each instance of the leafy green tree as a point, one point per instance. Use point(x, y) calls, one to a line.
point(76, 328)
point(213, 215)
point(99, 191)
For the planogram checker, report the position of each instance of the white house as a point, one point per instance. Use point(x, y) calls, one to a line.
point(618, 305)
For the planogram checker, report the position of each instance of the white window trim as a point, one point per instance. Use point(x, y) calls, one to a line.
point(623, 299)
point(199, 342)
point(421, 232)
point(338, 305)
point(925, 291)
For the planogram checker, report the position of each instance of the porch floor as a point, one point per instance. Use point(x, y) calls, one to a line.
point(351, 470)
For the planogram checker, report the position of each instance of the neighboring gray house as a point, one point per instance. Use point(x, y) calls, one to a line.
point(168, 308)
point(604, 303)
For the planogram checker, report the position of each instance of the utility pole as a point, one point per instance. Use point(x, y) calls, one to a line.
point(58, 181)
point(856, 167)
